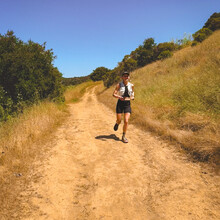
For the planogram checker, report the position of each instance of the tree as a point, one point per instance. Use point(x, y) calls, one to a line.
point(213, 22)
point(27, 74)
point(75, 80)
point(145, 52)
point(112, 76)
point(149, 44)
point(145, 57)
point(130, 64)
point(99, 73)
point(164, 54)
point(164, 50)
point(166, 46)
point(202, 34)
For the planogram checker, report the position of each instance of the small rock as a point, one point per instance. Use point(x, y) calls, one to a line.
point(18, 174)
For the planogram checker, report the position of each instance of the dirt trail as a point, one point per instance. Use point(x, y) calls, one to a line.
point(91, 174)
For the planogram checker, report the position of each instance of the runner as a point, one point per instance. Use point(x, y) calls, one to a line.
point(124, 92)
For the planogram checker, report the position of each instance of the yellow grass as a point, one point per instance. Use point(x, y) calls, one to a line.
point(19, 140)
point(177, 98)
point(17, 133)
point(74, 93)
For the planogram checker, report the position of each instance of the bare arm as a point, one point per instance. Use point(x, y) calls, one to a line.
point(132, 97)
point(116, 91)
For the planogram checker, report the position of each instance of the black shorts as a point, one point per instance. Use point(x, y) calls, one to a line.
point(123, 107)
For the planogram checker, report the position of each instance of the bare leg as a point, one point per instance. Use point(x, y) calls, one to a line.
point(126, 118)
point(118, 120)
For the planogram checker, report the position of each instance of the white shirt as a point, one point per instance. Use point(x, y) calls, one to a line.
point(122, 89)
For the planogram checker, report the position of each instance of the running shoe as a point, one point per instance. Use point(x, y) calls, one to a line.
point(124, 140)
point(116, 127)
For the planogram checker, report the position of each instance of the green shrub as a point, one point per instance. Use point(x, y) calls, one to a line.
point(111, 78)
point(27, 74)
point(6, 105)
point(202, 34)
point(165, 54)
point(99, 73)
point(194, 43)
point(130, 64)
point(213, 22)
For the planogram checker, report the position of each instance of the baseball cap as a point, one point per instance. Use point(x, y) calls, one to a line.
point(125, 73)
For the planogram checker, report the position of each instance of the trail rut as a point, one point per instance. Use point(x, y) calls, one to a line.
point(90, 174)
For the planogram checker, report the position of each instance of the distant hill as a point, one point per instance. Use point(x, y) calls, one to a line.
point(74, 80)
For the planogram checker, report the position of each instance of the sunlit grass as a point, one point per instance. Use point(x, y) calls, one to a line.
point(20, 143)
point(17, 134)
point(74, 93)
point(188, 82)
point(179, 97)
point(22, 139)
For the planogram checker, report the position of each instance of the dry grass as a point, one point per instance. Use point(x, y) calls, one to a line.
point(188, 81)
point(178, 98)
point(19, 140)
point(74, 93)
point(17, 134)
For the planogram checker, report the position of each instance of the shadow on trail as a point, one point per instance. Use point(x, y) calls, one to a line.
point(104, 137)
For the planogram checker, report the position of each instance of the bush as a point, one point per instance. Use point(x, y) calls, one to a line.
point(99, 73)
point(6, 105)
point(213, 22)
point(130, 64)
point(165, 54)
point(111, 78)
point(202, 34)
point(194, 43)
point(27, 74)
point(75, 80)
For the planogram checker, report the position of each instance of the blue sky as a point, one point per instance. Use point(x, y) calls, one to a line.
point(86, 34)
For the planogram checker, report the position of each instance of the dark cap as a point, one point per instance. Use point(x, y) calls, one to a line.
point(125, 73)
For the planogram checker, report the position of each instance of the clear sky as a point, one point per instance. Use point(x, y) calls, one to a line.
point(86, 34)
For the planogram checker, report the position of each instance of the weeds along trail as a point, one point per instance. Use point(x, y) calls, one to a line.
point(20, 139)
point(89, 173)
point(179, 99)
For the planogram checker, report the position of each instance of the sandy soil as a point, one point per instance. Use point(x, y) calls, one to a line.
point(90, 174)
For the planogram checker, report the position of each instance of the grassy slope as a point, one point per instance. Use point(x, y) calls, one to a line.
point(179, 98)
point(74, 93)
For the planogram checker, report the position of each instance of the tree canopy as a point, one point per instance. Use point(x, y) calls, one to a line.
point(213, 22)
point(99, 73)
point(27, 74)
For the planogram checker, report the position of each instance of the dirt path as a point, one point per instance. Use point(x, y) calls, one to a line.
point(91, 174)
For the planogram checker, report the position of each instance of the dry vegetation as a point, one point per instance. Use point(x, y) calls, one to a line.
point(17, 134)
point(179, 98)
point(20, 144)
point(74, 93)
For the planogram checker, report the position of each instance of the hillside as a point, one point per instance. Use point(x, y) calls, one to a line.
point(84, 171)
point(179, 98)
point(74, 80)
